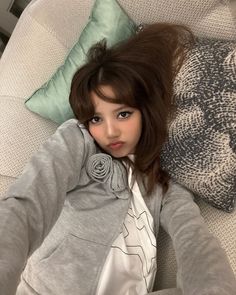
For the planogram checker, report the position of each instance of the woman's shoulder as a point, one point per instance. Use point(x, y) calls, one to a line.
point(70, 139)
point(74, 131)
point(73, 124)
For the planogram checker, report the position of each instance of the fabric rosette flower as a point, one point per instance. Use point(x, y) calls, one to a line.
point(102, 168)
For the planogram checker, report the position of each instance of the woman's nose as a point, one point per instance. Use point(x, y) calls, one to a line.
point(112, 129)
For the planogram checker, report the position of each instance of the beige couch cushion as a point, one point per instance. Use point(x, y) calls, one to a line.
point(211, 18)
point(5, 181)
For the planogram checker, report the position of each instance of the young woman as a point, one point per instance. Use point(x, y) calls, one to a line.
point(83, 217)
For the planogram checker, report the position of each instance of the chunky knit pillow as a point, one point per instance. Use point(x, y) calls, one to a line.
point(201, 150)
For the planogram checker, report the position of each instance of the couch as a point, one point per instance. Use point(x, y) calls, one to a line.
point(44, 34)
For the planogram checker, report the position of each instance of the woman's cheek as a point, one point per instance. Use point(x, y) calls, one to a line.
point(95, 133)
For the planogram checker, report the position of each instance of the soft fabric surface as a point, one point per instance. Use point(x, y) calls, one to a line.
point(200, 152)
point(107, 20)
point(5, 182)
point(19, 128)
point(211, 18)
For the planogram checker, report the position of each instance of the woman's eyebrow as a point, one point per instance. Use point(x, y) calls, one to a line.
point(115, 110)
point(121, 108)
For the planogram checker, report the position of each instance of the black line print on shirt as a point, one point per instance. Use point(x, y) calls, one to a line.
point(128, 254)
point(130, 235)
point(131, 214)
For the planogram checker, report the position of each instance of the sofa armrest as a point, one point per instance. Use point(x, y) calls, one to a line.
point(44, 34)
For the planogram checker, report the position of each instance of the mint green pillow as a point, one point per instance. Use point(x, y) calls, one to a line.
point(107, 20)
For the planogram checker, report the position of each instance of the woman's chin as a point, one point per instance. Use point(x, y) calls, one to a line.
point(118, 154)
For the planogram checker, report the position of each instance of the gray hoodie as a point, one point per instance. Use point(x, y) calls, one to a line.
point(60, 217)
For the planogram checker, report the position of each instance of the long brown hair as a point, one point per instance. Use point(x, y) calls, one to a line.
point(140, 72)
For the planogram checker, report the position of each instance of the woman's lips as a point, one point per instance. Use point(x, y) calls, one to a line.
point(116, 145)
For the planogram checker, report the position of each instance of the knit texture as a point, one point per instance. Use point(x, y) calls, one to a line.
point(202, 138)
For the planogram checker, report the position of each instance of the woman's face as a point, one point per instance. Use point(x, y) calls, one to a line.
point(115, 127)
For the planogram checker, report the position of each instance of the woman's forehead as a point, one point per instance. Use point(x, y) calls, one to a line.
point(107, 91)
point(117, 94)
point(99, 103)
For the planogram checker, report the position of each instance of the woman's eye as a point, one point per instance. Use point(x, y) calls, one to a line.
point(124, 115)
point(95, 120)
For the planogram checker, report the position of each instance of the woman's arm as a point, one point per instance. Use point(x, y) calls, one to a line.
point(34, 202)
point(203, 266)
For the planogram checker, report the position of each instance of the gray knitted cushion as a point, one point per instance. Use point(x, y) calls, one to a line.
point(201, 150)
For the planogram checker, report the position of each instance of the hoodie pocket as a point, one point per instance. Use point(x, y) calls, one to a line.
point(72, 267)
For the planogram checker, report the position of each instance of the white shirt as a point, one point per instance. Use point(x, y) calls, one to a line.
point(130, 266)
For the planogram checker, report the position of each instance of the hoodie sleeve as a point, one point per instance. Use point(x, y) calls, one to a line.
point(203, 267)
point(33, 203)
